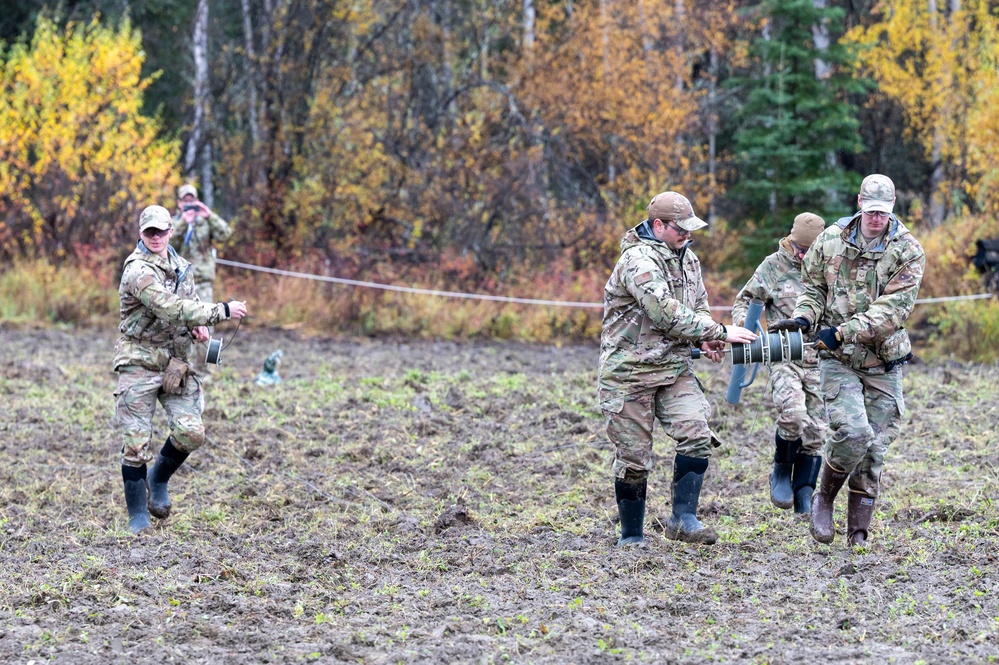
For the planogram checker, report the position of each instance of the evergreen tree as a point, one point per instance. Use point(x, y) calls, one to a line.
point(795, 124)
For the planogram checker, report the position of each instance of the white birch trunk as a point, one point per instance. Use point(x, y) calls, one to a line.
point(199, 47)
point(251, 68)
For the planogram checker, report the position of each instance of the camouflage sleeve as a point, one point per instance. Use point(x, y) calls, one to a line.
point(179, 229)
point(811, 304)
point(168, 306)
point(649, 286)
point(890, 310)
point(701, 304)
point(221, 229)
point(759, 286)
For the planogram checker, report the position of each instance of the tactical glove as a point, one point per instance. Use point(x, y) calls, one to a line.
point(174, 376)
point(829, 339)
point(793, 325)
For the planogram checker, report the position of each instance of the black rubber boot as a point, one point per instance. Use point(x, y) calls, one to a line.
point(134, 478)
point(781, 493)
point(859, 510)
point(688, 476)
point(631, 508)
point(803, 478)
point(168, 461)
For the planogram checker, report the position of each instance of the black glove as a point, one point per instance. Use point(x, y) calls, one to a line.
point(889, 366)
point(793, 325)
point(829, 339)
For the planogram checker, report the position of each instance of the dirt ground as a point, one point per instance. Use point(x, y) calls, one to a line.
point(427, 502)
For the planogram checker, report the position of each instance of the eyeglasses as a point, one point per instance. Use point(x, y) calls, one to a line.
point(155, 233)
point(878, 214)
point(676, 227)
point(798, 248)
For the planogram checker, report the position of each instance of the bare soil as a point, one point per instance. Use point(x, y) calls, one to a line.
point(425, 501)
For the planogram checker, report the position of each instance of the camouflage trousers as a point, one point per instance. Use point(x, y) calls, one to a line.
point(801, 413)
point(135, 400)
point(206, 293)
point(865, 416)
point(681, 409)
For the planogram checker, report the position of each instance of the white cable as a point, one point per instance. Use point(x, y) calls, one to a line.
point(410, 289)
point(478, 296)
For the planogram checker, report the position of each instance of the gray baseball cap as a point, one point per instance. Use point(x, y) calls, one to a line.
point(877, 194)
point(154, 217)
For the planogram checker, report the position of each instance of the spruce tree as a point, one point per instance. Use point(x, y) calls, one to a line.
point(795, 124)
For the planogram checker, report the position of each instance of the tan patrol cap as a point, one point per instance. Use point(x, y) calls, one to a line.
point(877, 194)
point(154, 217)
point(807, 227)
point(184, 190)
point(673, 207)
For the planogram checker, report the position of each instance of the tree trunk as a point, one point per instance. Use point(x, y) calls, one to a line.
point(605, 55)
point(820, 36)
point(207, 186)
point(449, 94)
point(529, 18)
point(938, 207)
point(251, 68)
point(647, 43)
point(199, 47)
point(712, 134)
point(679, 46)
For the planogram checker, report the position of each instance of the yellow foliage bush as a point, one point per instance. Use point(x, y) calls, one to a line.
point(34, 291)
point(77, 158)
point(949, 250)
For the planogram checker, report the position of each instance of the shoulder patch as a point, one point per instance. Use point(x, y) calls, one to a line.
point(144, 281)
point(644, 278)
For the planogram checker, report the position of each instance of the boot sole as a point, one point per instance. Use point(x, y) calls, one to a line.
point(705, 536)
point(145, 528)
point(780, 504)
point(159, 513)
point(823, 538)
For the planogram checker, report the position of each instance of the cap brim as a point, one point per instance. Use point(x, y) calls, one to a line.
point(876, 206)
point(155, 224)
point(691, 224)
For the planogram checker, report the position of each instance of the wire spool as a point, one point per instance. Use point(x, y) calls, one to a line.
point(770, 348)
point(213, 356)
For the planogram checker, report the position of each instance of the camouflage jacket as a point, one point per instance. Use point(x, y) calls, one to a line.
point(159, 306)
point(195, 243)
point(655, 307)
point(777, 282)
point(868, 293)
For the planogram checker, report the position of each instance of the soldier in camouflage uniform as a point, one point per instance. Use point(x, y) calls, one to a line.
point(161, 316)
point(655, 309)
point(197, 230)
point(861, 280)
point(794, 386)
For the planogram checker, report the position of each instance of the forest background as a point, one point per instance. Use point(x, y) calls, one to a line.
point(490, 146)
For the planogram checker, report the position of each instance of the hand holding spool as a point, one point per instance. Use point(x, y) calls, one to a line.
point(237, 310)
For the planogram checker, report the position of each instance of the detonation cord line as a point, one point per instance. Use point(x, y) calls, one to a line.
point(509, 299)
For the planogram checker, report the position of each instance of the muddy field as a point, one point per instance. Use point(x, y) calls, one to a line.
point(451, 502)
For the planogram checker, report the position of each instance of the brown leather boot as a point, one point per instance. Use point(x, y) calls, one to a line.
point(830, 480)
point(859, 510)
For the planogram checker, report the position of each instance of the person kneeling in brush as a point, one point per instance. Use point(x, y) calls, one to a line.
point(161, 317)
point(655, 308)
